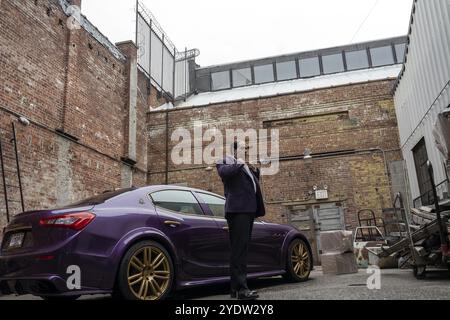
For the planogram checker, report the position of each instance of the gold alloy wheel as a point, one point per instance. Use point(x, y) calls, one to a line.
point(301, 260)
point(148, 273)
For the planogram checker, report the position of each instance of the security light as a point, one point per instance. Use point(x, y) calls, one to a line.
point(307, 156)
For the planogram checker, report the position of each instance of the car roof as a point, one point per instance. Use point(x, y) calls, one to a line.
point(175, 187)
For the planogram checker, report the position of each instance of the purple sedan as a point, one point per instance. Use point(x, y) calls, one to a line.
point(138, 244)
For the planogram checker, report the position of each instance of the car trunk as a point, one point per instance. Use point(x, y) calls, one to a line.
point(25, 234)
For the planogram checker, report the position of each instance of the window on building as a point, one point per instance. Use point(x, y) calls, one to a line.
point(242, 77)
point(332, 63)
point(309, 67)
point(220, 80)
point(264, 73)
point(400, 52)
point(382, 56)
point(357, 60)
point(420, 160)
point(177, 201)
point(286, 70)
point(215, 204)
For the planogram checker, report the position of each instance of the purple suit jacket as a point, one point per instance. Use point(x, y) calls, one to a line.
point(239, 189)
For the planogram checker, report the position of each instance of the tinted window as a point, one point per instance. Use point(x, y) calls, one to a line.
point(220, 80)
point(177, 200)
point(216, 204)
point(309, 67)
point(264, 73)
point(332, 63)
point(98, 199)
point(242, 77)
point(382, 56)
point(400, 52)
point(286, 70)
point(357, 60)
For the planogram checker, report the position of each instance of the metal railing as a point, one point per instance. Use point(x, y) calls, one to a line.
point(159, 59)
point(427, 198)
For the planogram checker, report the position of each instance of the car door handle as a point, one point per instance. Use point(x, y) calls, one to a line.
point(172, 224)
point(226, 228)
point(277, 235)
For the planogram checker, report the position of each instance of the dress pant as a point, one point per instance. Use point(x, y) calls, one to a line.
point(240, 228)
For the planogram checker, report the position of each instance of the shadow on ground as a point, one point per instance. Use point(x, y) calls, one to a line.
point(224, 289)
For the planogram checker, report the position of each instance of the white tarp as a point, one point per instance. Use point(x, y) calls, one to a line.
point(156, 65)
point(144, 44)
point(168, 63)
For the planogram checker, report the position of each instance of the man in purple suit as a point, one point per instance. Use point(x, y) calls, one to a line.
point(244, 203)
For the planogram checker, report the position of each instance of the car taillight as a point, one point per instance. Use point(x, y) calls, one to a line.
point(75, 221)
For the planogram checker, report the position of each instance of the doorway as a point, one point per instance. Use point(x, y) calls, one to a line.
point(313, 219)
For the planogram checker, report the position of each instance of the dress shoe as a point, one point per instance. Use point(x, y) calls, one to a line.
point(247, 295)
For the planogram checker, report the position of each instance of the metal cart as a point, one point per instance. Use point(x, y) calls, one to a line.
point(428, 246)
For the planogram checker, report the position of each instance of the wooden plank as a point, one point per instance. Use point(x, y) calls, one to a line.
point(422, 214)
point(427, 209)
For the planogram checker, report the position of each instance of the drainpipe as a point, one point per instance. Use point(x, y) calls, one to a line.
point(167, 148)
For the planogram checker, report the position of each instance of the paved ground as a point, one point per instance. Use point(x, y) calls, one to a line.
point(395, 284)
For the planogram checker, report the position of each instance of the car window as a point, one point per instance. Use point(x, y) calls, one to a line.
point(177, 200)
point(215, 204)
point(101, 198)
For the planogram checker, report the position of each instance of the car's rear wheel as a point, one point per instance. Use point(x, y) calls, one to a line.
point(299, 261)
point(146, 272)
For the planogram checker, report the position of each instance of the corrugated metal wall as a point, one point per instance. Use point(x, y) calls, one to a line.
point(423, 90)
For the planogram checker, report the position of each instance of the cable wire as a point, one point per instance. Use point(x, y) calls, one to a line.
point(365, 20)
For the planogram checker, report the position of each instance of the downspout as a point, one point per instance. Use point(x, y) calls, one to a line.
point(167, 148)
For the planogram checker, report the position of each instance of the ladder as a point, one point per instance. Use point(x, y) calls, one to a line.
point(9, 151)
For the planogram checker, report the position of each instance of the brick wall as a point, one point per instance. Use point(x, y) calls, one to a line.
point(63, 80)
point(355, 117)
point(66, 81)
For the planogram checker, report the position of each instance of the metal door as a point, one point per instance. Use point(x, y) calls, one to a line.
point(302, 217)
point(328, 217)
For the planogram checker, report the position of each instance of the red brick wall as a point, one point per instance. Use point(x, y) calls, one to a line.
point(354, 117)
point(62, 79)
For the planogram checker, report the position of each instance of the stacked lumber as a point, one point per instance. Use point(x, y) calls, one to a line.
point(338, 257)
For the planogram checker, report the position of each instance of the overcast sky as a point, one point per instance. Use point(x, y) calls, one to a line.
point(234, 30)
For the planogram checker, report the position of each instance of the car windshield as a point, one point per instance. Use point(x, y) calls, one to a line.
point(101, 198)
